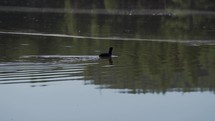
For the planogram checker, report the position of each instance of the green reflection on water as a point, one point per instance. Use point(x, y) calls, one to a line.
point(140, 67)
point(159, 67)
point(186, 64)
point(178, 20)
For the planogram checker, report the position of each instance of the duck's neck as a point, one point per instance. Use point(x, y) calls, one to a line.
point(110, 52)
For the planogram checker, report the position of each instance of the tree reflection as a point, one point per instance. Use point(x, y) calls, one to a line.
point(141, 66)
point(176, 68)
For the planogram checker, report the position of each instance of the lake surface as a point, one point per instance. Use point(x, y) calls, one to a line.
point(162, 68)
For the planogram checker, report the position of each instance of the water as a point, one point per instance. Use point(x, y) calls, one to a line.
point(162, 66)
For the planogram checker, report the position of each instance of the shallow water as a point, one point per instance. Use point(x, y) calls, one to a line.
point(162, 67)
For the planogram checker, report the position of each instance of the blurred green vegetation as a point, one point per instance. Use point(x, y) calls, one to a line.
point(175, 19)
point(119, 4)
point(158, 67)
point(141, 66)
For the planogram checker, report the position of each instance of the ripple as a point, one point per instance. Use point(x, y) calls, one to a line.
point(142, 12)
point(63, 58)
point(18, 73)
point(211, 42)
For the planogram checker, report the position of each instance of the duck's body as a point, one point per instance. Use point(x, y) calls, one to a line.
point(106, 55)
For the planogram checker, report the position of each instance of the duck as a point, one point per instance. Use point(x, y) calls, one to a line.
point(107, 55)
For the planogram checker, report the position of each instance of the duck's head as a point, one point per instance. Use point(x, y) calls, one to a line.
point(110, 50)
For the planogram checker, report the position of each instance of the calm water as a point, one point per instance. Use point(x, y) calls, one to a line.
point(162, 69)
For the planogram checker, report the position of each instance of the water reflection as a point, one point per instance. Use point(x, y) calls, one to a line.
point(108, 19)
point(18, 73)
point(136, 67)
point(50, 69)
point(160, 46)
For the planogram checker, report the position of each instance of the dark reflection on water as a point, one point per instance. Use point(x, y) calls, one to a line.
point(159, 46)
point(136, 67)
point(50, 69)
point(123, 19)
